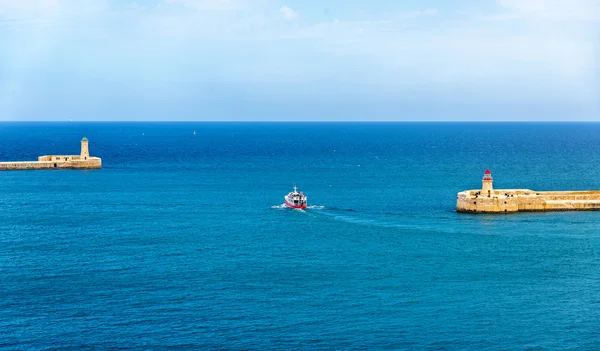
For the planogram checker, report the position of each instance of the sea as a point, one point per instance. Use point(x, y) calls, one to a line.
point(181, 242)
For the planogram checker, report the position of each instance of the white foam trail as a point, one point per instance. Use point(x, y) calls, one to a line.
point(313, 207)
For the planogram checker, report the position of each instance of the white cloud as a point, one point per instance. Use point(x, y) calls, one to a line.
point(554, 10)
point(211, 5)
point(46, 12)
point(288, 13)
point(401, 49)
point(9, 6)
point(27, 10)
point(427, 12)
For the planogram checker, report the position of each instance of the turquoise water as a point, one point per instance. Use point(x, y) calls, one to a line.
point(180, 240)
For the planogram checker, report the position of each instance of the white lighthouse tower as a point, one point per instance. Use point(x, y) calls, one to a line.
point(487, 188)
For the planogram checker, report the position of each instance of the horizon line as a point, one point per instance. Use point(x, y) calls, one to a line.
point(301, 121)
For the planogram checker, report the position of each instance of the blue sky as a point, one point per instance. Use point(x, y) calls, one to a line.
point(415, 60)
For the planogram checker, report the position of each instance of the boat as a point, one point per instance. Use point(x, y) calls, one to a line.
point(295, 199)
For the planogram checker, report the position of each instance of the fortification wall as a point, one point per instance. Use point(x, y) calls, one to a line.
point(472, 201)
point(531, 203)
point(59, 158)
point(513, 200)
point(570, 195)
point(90, 163)
point(8, 166)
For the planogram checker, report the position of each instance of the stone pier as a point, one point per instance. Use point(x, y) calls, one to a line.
point(490, 200)
point(81, 161)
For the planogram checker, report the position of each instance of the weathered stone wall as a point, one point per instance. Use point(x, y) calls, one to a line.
point(474, 201)
point(47, 162)
point(25, 165)
point(531, 203)
point(59, 158)
point(570, 195)
point(514, 200)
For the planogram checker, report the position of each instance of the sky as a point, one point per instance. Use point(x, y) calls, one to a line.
point(300, 60)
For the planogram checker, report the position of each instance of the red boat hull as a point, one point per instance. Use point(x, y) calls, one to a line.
point(302, 207)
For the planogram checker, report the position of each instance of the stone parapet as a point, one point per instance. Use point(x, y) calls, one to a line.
point(90, 163)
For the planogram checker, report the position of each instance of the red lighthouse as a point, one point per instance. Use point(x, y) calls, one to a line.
point(487, 175)
point(487, 187)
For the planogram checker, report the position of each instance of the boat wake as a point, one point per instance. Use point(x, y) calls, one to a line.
point(312, 207)
point(339, 214)
point(357, 217)
point(363, 219)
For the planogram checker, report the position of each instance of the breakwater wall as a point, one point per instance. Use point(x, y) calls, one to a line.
point(490, 200)
point(512, 200)
point(81, 161)
point(90, 163)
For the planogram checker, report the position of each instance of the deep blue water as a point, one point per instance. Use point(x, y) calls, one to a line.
point(178, 242)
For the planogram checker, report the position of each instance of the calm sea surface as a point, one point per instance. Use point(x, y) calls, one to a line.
point(180, 242)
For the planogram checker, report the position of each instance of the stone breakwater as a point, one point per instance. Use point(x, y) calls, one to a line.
point(81, 161)
point(490, 200)
point(524, 200)
point(90, 163)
